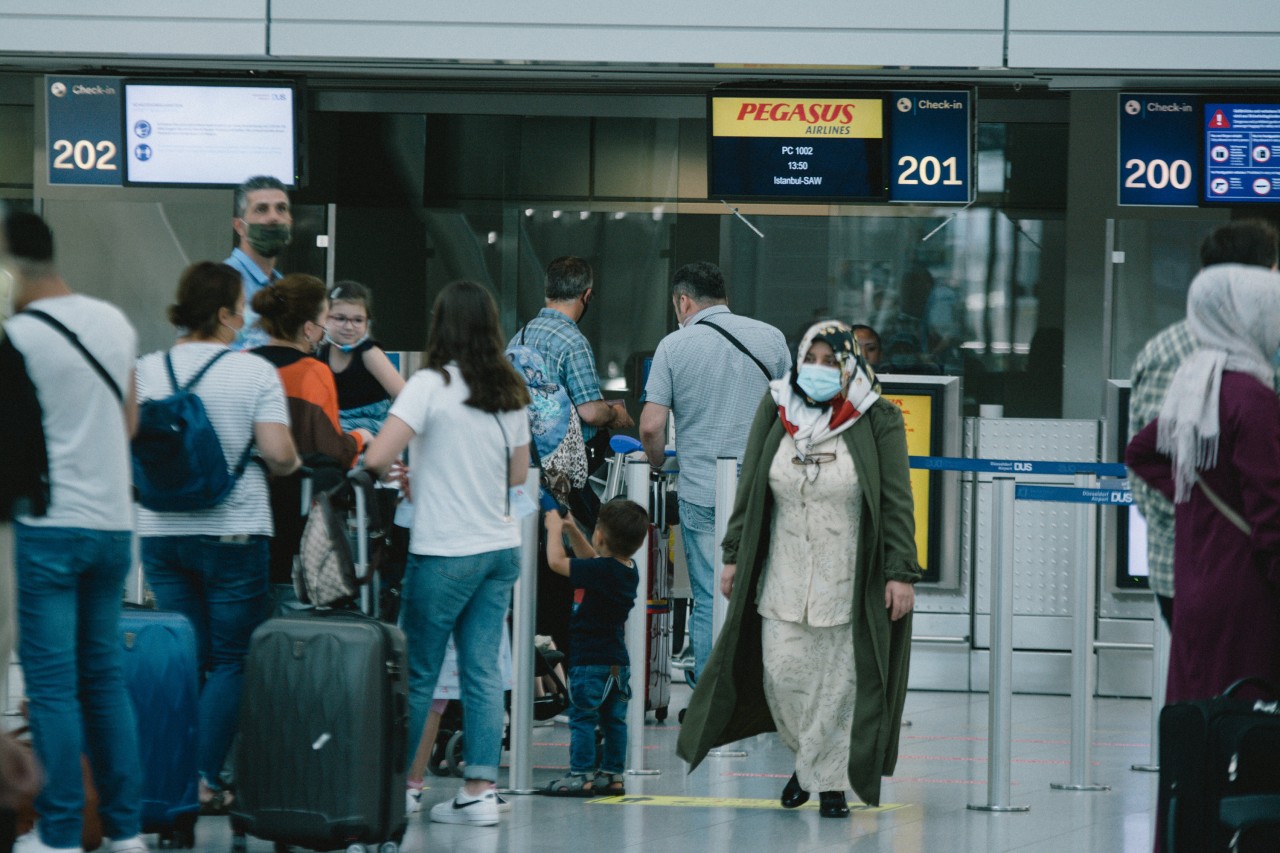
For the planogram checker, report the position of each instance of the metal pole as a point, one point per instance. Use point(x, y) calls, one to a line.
point(525, 604)
point(1000, 697)
point(726, 489)
point(1159, 674)
point(637, 484)
point(1082, 666)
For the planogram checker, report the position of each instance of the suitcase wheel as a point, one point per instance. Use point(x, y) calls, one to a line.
point(388, 847)
point(660, 713)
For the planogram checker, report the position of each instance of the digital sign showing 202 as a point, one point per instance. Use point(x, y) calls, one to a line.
point(798, 147)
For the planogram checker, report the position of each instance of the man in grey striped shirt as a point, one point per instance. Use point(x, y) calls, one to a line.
point(712, 373)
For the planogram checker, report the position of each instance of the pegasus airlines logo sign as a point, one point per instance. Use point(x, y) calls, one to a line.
point(852, 118)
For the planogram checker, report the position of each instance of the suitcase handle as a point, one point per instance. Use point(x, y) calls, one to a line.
point(1260, 683)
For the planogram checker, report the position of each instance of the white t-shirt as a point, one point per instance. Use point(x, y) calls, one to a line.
point(240, 390)
point(459, 467)
point(84, 424)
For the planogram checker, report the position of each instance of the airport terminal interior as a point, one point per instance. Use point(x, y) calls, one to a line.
point(1035, 192)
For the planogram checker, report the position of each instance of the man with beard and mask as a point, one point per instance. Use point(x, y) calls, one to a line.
point(263, 224)
point(711, 373)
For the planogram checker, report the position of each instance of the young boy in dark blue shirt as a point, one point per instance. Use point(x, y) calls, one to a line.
point(599, 670)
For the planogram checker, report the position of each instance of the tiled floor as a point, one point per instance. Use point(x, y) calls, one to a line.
point(942, 768)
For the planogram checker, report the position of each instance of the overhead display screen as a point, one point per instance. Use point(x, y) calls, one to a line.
point(1159, 150)
point(784, 145)
point(1241, 152)
point(215, 134)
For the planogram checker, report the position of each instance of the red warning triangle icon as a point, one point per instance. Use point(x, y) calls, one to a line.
point(1219, 120)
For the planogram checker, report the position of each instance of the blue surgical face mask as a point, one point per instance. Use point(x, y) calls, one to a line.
point(344, 347)
point(820, 382)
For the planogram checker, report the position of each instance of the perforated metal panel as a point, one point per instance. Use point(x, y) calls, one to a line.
point(1045, 556)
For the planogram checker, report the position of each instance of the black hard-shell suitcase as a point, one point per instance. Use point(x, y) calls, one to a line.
point(321, 759)
point(1220, 774)
point(160, 673)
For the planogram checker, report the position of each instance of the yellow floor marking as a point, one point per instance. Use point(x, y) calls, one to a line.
point(729, 803)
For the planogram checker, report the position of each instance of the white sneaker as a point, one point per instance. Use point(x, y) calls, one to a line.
point(476, 811)
point(127, 845)
point(504, 805)
point(412, 801)
point(31, 843)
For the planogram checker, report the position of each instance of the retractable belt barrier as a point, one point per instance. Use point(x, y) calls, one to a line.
point(1087, 495)
point(524, 610)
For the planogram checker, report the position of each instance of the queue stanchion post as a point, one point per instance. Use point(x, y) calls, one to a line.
point(523, 616)
point(726, 489)
point(1000, 686)
point(637, 489)
point(1082, 653)
point(1159, 674)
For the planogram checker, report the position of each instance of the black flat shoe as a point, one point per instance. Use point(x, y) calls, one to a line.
point(793, 796)
point(832, 804)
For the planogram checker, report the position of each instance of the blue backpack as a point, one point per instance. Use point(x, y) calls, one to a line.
point(178, 463)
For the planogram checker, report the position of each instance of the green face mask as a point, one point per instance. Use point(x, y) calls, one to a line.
point(268, 240)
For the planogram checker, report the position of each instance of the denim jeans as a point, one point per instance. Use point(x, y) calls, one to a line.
point(70, 583)
point(698, 529)
point(597, 698)
point(220, 584)
point(468, 596)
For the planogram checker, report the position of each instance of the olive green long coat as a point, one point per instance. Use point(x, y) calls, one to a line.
point(728, 703)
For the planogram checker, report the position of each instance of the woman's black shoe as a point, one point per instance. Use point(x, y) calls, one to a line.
point(793, 796)
point(832, 804)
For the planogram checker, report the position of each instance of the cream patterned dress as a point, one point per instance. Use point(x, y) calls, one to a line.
point(806, 601)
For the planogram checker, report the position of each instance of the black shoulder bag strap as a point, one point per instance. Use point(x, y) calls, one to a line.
point(75, 340)
point(768, 377)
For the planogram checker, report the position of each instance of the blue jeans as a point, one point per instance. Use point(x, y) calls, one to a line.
point(220, 584)
point(469, 597)
point(698, 529)
point(598, 697)
point(70, 582)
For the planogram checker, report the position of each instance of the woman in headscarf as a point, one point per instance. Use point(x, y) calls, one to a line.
point(1215, 452)
point(820, 562)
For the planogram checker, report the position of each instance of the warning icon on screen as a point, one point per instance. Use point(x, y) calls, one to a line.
point(1219, 120)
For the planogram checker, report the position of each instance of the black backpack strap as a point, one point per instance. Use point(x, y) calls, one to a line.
point(84, 351)
point(768, 377)
point(522, 328)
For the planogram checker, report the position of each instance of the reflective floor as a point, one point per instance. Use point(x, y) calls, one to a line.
point(941, 770)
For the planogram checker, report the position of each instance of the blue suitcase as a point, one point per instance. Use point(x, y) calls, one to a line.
point(160, 672)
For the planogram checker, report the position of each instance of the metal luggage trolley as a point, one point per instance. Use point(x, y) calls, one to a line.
point(658, 594)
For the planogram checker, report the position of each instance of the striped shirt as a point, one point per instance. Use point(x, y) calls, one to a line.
point(238, 392)
point(568, 357)
point(714, 389)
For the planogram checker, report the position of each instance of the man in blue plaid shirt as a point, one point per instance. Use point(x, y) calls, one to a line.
point(1246, 241)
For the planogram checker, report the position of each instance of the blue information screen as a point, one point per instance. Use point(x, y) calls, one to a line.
point(1159, 150)
point(82, 124)
point(930, 147)
point(1241, 152)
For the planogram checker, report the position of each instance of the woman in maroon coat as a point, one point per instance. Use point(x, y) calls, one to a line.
point(1217, 441)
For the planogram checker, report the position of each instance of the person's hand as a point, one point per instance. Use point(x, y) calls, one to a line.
point(726, 579)
point(398, 473)
point(899, 599)
point(620, 419)
point(365, 436)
